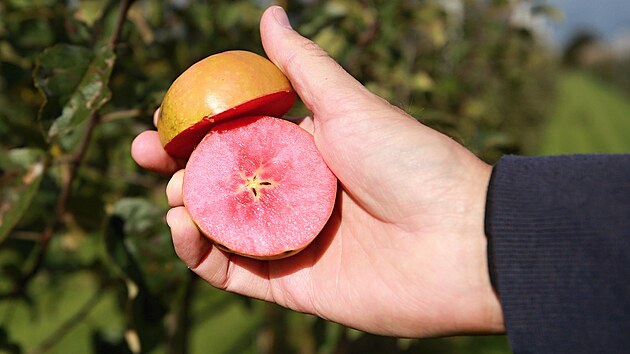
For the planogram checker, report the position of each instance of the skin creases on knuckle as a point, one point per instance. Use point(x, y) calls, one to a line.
point(313, 48)
point(295, 61)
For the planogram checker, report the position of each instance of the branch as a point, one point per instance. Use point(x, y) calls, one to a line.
point(128, 113)
point(62, 201)
point(75, 163)
point(122, 16)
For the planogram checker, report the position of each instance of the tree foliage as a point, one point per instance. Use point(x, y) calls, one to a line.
point(86, 260)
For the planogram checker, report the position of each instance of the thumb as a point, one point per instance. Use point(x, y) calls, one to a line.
point(322, 84)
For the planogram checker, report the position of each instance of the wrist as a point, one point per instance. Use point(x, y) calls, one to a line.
point(493, 312)
point(489, 315)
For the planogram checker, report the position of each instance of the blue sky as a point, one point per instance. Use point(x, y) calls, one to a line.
point(607, 18)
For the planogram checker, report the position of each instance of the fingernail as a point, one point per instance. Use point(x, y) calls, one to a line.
point(281, 17)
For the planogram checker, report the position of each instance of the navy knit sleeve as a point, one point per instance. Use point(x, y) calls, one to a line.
point(559, 251)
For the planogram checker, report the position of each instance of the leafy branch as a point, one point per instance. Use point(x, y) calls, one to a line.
point(73, 168)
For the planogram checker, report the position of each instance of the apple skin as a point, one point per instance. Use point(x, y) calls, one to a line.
point(222, 86)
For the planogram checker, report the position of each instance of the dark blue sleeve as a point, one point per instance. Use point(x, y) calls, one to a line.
point(559, 252)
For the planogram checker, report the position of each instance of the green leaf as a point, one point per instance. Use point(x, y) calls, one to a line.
point(139, 243)
point(57, 75)
point(21, 172)
point(69, 83)
point(119, 254)
point(89, 96)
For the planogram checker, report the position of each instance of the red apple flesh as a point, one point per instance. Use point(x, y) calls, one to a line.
point(257, 186)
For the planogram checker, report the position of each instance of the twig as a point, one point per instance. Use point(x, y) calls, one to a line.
point(26, 235)
point(62, 201)
point(128, 113)
point(122, 16)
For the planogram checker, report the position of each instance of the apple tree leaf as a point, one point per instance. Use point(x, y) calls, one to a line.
point(21, 172)
point(143, 245)
point(74, 81)
point(57, 74)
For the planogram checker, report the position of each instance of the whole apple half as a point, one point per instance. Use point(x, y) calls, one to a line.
point(254, 184)
point(257, 186)
point(222, 86)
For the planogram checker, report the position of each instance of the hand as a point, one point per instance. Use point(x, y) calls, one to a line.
point(404, 253)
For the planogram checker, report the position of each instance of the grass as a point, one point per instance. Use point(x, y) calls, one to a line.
point(589, 117)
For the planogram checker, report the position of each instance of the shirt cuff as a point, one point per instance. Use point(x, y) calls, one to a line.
point(558, 233)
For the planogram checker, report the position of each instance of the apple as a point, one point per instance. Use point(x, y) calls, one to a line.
point(222, 86)
point(254, 184)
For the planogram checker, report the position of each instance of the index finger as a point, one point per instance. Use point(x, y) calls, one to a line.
point(148, 152)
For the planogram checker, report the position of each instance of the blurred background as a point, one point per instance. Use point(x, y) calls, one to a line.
point(86, 260)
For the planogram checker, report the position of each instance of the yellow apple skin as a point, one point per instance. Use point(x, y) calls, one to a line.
point(222, 86)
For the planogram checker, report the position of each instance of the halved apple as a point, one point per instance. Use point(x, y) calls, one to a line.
point(222, 86)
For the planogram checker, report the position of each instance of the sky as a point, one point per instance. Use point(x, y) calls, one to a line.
point(609, 19)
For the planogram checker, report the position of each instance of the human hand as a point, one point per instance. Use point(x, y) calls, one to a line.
point(404, 252)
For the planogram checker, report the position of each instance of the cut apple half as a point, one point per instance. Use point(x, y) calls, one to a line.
point(257, 186)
